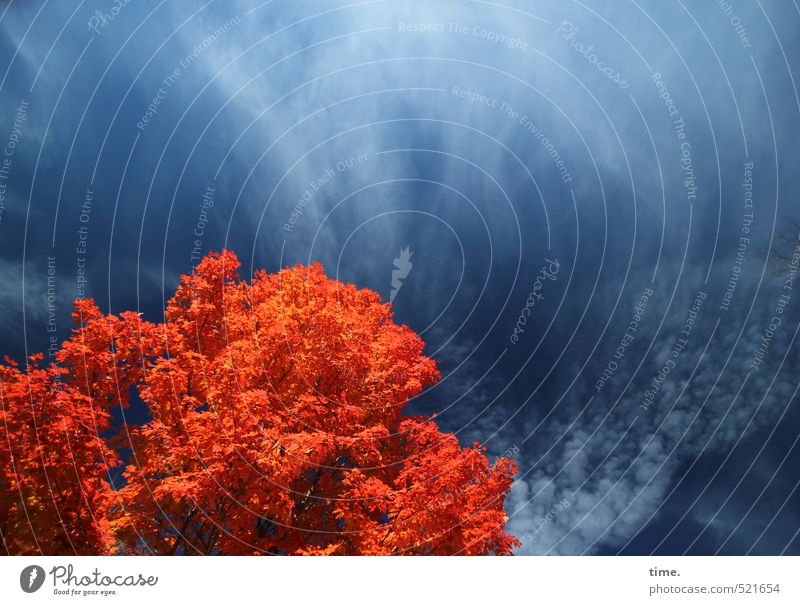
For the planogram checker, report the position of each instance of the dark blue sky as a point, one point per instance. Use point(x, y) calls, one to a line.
point(589, 191)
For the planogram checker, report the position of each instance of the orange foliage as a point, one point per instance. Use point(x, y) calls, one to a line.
point(276, 427)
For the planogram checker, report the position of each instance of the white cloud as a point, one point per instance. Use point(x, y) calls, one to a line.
point(614, 462)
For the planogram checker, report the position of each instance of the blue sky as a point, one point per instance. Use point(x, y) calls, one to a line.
point(616, 141)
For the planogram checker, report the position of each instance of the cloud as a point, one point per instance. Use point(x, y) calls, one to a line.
point(293, 88)
point(616, 462)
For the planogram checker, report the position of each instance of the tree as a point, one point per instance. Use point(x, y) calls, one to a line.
point(54, 456)
point(276, 427)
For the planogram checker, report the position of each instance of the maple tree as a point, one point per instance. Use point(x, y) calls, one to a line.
point(276, 426)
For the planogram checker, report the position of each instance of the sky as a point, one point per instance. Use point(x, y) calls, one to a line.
point(587, 194)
